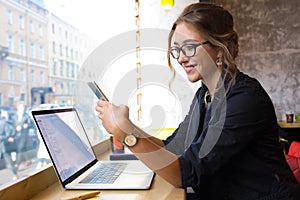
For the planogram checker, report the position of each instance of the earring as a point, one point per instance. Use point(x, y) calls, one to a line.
point(219, 62)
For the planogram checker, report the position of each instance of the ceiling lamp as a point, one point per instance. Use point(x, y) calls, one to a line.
point(167, 4)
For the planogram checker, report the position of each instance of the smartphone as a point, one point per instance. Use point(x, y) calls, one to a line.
point(97, 91)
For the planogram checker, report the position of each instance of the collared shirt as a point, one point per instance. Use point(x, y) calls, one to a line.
point(231, 150)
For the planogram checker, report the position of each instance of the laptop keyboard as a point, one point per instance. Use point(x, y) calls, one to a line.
point(106, 173)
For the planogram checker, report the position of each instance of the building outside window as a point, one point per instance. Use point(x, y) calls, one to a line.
point(67, 51)
point(61, 67)
point(10, 43)
point(22, 48)
point(21, 22)
point(32, 76)
point(54, 67)
point(31, 26)
point(32, 50)
point(72, 70)
point(60, 49)
point(61, 88)
point(53, 28)
point(67, 68)
point(41, 32)
point(42, 77)
point(53, 47)
point(42, 52)
point(9, 17)
point(11, 73)
point(23, 75)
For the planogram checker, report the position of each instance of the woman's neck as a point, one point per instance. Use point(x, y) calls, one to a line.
point(211, 83)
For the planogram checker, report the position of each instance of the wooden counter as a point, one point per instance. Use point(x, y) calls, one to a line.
point(44, 185)
point(160, 190)
point(289, 125)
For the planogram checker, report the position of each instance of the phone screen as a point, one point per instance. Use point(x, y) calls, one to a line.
point(97, 91)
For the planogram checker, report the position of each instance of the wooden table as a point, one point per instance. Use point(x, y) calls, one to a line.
point(160, 190)
point(283, 124)
point(44, 185)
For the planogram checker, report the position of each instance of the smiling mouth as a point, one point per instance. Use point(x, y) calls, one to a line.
point(189, 68)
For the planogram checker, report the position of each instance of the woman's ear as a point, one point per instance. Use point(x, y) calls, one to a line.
point(220, 58)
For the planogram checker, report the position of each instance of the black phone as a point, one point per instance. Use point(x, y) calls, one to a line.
point(97, 91)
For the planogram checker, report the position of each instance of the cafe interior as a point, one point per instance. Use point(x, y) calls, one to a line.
point(269, 43)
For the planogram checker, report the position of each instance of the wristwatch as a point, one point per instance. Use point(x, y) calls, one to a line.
point(130, 140)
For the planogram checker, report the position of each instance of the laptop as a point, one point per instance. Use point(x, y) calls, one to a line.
point(75, 161)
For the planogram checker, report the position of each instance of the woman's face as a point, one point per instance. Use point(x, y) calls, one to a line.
point(202, 65)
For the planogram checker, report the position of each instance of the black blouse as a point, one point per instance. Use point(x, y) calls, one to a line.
point(230, 149)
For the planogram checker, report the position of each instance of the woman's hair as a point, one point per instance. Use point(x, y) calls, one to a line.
point(216, 25)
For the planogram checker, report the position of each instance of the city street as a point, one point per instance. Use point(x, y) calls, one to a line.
point(25, 169)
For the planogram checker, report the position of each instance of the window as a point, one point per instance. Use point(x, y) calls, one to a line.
point(61, 67)
point(42, 77)
point(72, 70)
point(22, 96)
point(67, 69)
point(32, 50)
point(21, 22)
point(53, 47)
point(60, 50)
point(23, 75)
point(59, 31)
point(10, 43)
point(42, 52)
point(53, 29)
point(66, 35)
point(31, 26)
point(67, 51)
point(61, 88)
point(11, 73)
point(9, 17)
point(54, 67)
point(41, 32)
point(76, 55)
point(22, 50)
point(32, 76)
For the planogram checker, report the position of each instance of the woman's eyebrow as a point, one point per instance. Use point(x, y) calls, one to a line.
point(186, 41)
point(189, 40)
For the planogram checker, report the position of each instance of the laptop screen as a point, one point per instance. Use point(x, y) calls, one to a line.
point(65, 139)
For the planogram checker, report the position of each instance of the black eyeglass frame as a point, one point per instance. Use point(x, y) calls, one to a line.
point(180, 49)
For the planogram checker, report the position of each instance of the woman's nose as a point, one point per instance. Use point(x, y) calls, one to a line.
point(182, 58)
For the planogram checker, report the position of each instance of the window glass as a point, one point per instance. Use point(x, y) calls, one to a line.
point(42, 62)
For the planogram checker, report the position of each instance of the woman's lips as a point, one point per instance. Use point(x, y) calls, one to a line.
point(189, 68)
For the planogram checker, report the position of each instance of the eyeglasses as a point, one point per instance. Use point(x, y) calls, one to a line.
point(189, 50)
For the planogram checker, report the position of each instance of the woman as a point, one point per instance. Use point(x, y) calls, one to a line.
point(227, 146)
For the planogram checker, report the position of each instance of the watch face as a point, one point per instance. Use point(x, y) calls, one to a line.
point(130, 140)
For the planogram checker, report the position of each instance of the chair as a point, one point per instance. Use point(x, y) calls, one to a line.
point(293, 159)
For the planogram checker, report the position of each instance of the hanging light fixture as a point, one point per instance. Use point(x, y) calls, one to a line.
point(167, 4)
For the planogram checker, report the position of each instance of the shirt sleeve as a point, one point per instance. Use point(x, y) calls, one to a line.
point(176, 142)
point(246, 109)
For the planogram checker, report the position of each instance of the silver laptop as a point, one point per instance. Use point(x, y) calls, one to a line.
point(75, 161)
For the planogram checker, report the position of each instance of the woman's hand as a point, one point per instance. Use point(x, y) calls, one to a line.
point(115, 119)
